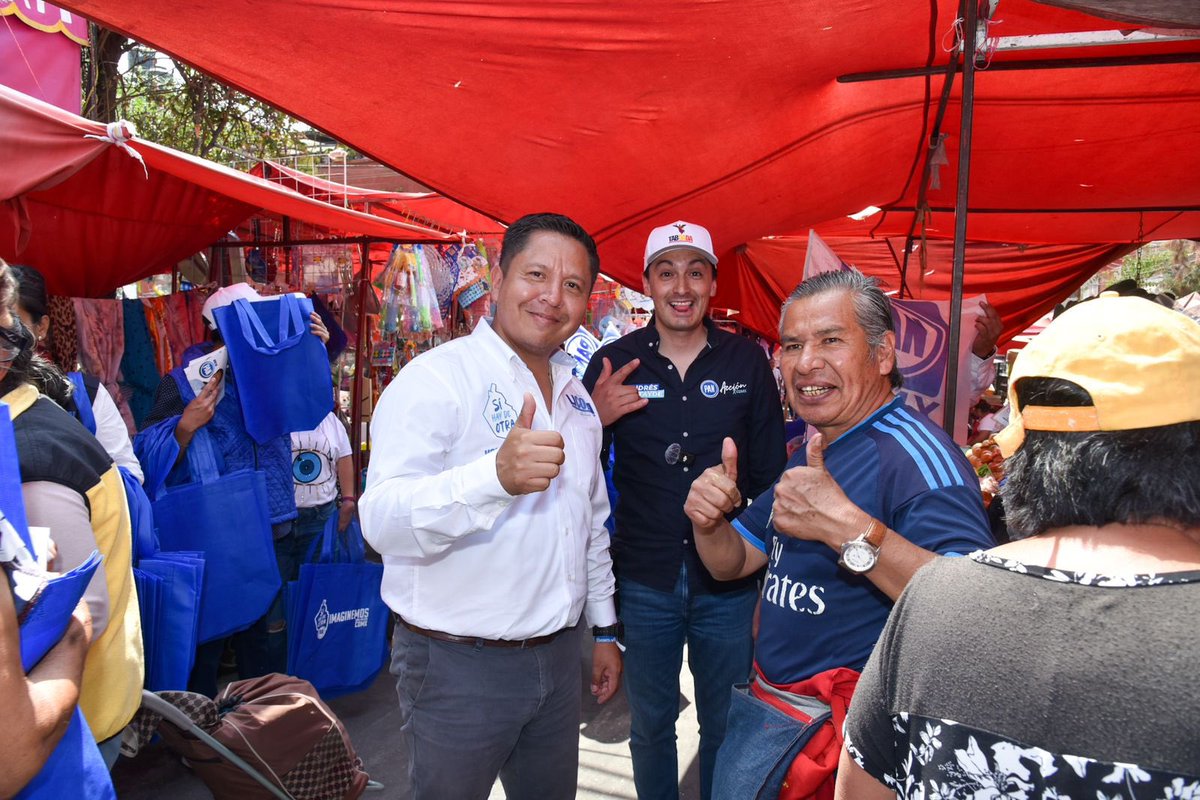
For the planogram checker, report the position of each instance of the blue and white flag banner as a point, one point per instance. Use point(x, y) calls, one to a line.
point(581, 346)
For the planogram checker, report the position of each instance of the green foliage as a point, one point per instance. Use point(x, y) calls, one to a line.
point(173, 104)
point(1172, 267)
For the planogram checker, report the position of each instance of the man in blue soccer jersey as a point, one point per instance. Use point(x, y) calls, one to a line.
point(878, 492)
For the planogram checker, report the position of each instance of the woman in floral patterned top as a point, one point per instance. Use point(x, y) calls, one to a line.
point(1063, 664)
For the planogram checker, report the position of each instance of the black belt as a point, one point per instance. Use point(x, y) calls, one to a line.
point(476, 640)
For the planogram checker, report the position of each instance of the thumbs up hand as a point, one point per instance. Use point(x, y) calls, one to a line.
point(809, 504)
point(528, 460)
point(715, 493)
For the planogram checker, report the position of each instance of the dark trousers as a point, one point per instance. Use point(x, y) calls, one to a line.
point(470, 713)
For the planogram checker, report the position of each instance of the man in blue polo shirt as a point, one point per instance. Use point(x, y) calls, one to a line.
point(878, 492)
point(679, 387)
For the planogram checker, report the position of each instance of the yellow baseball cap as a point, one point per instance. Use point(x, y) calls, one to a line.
point(1139, 361)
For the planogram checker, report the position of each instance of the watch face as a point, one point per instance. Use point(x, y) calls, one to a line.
point(859, 556)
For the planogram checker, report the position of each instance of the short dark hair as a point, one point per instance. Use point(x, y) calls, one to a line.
point(516, 238)
point(1057, 479)
point(872, 308)
point(31, 294)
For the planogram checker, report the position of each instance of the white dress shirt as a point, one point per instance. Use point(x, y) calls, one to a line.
point(460, 554)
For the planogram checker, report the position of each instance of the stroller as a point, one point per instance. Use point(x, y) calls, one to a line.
point(269, 737)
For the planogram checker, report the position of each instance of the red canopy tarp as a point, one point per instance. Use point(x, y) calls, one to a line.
point(423, 208)
point(633, 113)
point(91, 218)
point(1023, 282)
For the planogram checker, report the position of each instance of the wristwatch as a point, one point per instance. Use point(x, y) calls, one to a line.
point(607, 632)
point(859, 555)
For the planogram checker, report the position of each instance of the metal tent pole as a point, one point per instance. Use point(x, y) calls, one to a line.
point(969, 11)
point(362, 357)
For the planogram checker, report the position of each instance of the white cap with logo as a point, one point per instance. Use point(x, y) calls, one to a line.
point(225, 296)
point(677, 235)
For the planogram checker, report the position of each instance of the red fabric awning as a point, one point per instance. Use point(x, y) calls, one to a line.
point(633, 113)
point(90, 216)
point(423, 208)
point(1023, 282)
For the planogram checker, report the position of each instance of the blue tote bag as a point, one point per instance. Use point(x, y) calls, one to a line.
point(168, 586)
point(337, 621)
point(224, 517)
point(283, 376)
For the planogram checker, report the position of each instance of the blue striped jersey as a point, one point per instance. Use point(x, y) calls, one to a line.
point(906, 472)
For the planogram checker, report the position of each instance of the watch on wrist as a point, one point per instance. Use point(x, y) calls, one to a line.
point(859, 555)
point(608, 631)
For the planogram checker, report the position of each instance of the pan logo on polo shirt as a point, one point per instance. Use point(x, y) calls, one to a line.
point(711, 389)
point(498, 414)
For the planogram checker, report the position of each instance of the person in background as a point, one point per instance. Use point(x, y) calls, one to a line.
point(877, 492)
point(668, 394)
point(1062, 663)
point(71, 486)
point(486, 500)
point(178, 413)
point(321, 463)
point(88, 397)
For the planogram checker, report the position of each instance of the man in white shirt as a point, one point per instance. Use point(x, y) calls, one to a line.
point(485, 498)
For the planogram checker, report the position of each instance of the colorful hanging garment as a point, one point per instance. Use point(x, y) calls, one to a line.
point(64, 338)
point(156, 319)
point(139, 373)
point(179, 331)
point(101, 345)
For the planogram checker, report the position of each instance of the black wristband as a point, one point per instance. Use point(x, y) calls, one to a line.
point(607, 630)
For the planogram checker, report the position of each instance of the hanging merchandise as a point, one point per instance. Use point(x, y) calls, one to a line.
point(444, 269)
point(472, 289)
point(139, 372)
point(425, 299)
point(101, 326)
point(394, 284)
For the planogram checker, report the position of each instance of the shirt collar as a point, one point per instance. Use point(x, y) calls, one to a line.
point(870, 418)
point(653, 339)
point(491, 342)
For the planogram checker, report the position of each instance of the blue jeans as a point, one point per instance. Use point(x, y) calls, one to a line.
point(716, 628)
point(291, 550)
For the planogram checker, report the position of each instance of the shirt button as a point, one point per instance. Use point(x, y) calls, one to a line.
point(670, 366)
point(685, 469)
point(685, 398)
point(687, 541)
point(685, 434)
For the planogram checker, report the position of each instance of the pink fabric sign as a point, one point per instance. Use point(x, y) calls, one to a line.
point(39, 51)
